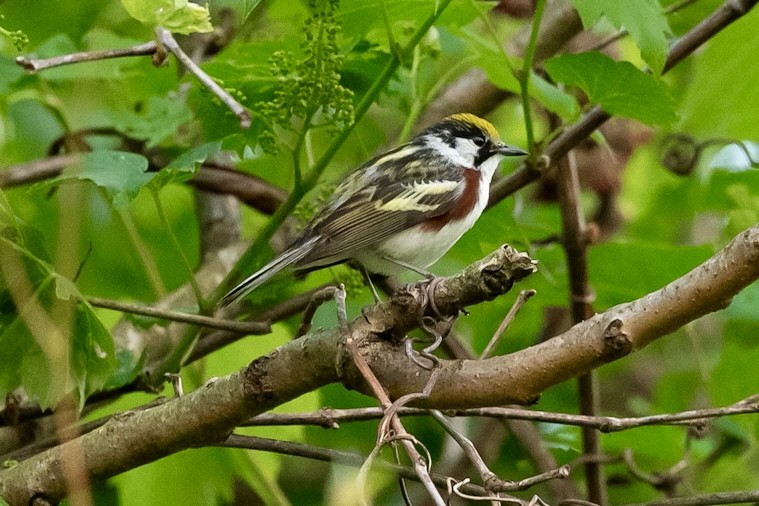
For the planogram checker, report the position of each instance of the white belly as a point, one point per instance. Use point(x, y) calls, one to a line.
point(417, 246)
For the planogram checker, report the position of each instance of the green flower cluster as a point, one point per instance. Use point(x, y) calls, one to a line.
point(309, 86)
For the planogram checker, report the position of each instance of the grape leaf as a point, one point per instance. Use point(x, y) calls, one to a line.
point(178, 16)
point(643, 19)
point(47, 357)
point(185, 165)
point(159, 120)
point(619, 88)
point(121, 174)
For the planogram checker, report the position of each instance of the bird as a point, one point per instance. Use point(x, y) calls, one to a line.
point(403, 209)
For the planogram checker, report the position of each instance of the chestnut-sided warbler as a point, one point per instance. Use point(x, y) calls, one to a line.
point(404, 208)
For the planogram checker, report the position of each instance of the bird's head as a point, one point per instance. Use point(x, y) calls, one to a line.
point(468, 140)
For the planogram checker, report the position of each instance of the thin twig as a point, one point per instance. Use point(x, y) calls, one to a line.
point(467, 447)
point(168, 41)
point(317, 299)
point(455, 488)
point(260, 327)
point(331, 418)
point(213, 341)
point(330, 455)
point(491, 481)
point(212, 177)
point(419, 463)
point(523, 297)
point(35, 65)
point(36, 170)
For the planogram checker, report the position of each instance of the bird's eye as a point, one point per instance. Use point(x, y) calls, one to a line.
point(479, 141)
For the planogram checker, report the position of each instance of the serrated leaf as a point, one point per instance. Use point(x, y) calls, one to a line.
point(185, 165)
point(178, 16)
point(491, 60)
point(121, 174)
point(619, 88)
point(160, 119)
point(643, 19)
point(32, 357)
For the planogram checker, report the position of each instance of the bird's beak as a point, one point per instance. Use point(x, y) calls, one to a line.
point(505, 150)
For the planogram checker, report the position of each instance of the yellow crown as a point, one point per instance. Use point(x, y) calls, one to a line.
point(483, 124)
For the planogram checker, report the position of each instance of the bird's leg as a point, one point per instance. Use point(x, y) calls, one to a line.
point(432, 282)
point(405, 265)
point(369, 283)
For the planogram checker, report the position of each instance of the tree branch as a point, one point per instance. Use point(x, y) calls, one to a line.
point(208, 414)
point(726, 14)
point(35, 65)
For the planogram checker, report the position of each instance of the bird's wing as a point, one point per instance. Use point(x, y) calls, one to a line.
point(381, 208)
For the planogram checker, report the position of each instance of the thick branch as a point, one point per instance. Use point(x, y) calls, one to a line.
point(208, 414)
point(520, 377)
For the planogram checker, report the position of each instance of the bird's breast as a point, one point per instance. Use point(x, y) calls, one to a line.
point(469, 201)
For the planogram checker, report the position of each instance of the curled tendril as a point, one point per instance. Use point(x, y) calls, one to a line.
point(681, 153)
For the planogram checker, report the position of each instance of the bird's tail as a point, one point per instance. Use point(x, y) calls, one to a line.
point(287, 258)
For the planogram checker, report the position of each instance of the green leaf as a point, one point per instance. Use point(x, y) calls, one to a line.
point(48, 357)
point(159, 120)
point(553, 98)
point(359, 18)
point(721, 85)
point(185, 165)
point(178, 16)
point(242, 8)
point(121, 174)
point(10, 72)
point(619, 88)
point(491, 60)
point(643, 19)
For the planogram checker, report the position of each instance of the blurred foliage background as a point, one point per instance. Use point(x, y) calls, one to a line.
point(91, 232)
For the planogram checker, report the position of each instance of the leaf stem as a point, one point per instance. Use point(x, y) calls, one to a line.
point(180, 251)
point(148, 262)
point(524, 78)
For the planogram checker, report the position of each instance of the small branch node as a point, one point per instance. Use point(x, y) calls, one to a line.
point(616, 341)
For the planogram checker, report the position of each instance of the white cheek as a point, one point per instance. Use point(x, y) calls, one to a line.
point(455, 155)
point(468, 150)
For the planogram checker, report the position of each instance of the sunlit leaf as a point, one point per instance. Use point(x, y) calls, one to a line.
point(643, 19)
point(179, 16)
point(618, 87)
